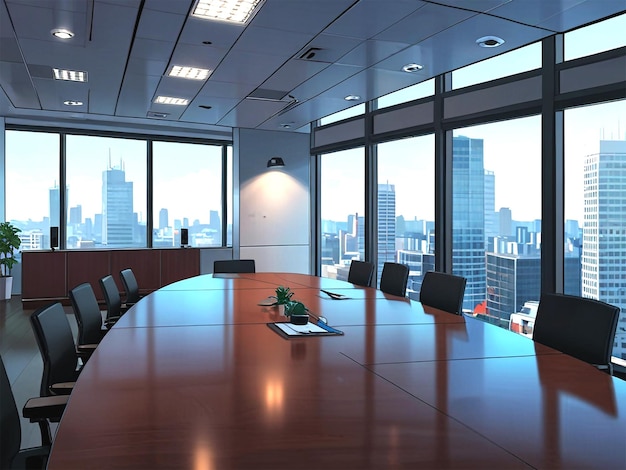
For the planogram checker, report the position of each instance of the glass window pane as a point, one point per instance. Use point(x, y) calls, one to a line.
point(595, 207)
point(406, 207)
point(229, 195)
point(345, 114)
point(496, 227)
point(342, 211)
point(595, 38)
point(106, 192)
point(32, 185)
point(504, 65)
point(414, 92)
point(187, 182)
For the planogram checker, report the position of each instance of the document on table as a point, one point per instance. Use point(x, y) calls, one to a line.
point(300, 330)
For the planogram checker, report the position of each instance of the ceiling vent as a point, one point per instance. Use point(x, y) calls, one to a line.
point(310, 53)
point(316, 54)
point(268, 95)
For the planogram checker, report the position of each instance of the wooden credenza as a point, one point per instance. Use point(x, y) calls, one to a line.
point(48, 276)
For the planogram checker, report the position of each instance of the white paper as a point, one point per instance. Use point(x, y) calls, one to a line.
point(298, 330)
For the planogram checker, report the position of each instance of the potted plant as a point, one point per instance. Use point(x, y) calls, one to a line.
point(283, 297)
point(9, 242)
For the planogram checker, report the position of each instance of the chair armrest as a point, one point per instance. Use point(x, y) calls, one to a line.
point(62, 388)
point(84, 351)
point(39, 408)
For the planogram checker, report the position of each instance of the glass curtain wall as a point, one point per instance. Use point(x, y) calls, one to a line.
point(342, 211)
point(595, 207)
point(496, 216)
point(406, 206)
point(106, 192)
point(32, 191)
point(187, 196)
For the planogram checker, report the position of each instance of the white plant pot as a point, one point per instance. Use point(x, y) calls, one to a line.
point(6, 285)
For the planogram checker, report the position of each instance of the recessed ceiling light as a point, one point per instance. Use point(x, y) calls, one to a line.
point(154, 114)
point(70, 75)
point(490, 41)
point(352, 98)
point(171, 100)
point(286, 125)
point(62, 33)
point(192, 73)
point(412, 67)
point(72, 103)
point(238, 11)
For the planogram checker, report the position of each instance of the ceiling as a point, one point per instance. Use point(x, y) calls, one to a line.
point(262, 74)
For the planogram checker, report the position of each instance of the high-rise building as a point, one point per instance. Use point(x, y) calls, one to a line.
point(76, 215)
point(491, 224)
point(506, 222)
point(604, 229)
point(468, 217)
point(386, 224)
point(117, 208)
point(163, 219)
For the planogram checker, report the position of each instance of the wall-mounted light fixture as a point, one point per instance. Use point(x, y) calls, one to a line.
point(275, 161)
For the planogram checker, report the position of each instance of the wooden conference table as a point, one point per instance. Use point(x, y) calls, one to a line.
point(192, 378)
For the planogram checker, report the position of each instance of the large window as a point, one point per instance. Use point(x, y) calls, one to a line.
point(406, 206)
point(595, 207)
point(342, 211)
point(32, 185)
point(517, 61)
point(187, 196)
point(105, 202)
point(413, 92)
point(106, 192)
point(496, 212)
point(595, 38)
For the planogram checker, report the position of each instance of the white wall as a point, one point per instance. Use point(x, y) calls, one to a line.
point(274, 204)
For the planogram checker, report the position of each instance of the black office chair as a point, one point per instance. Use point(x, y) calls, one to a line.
point(61, 364)
point(112, 299)
point(443, 291)
point(231, 266)
point(581, 327)
point(361, 273)
point(131, 287)
point(394, 278)
point(39, 410)
point(91, 328)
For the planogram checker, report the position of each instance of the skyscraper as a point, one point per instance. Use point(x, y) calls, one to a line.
point(117, 208)
point(604, 228)
point(386, 224)
point(468, 217)
point(163, 219)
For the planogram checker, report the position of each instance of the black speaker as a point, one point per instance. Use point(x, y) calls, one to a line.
point(184, 236)
point(54, 237)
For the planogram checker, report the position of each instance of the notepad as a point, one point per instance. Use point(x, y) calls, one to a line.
point(290, 330)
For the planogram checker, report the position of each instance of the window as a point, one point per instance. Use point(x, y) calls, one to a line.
point(595, 38)
point(595, 202)
point(496, 212)
point(345, 114)
point(187, 185)
point(406, 206)
point(342, 211)
point(413, 92)
point(32, 185)
point(106, 192)
point(510, 63)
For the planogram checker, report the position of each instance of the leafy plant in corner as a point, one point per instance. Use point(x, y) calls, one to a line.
point(9, 242)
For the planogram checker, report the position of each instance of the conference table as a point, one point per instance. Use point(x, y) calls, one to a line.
point(192, 377)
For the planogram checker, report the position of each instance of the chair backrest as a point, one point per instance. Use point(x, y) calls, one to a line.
point(10, 428)
point(443, 291)
point(56, 345)
point(394, 278)
point(361, 273)
point(111, 297)
point(87, 312)
point(130, 286)
point(234, 266)
point(581, 327)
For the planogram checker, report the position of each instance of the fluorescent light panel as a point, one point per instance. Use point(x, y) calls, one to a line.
point(192, 73)
point(227, 10)
point(171, 100)
point(70, 75)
